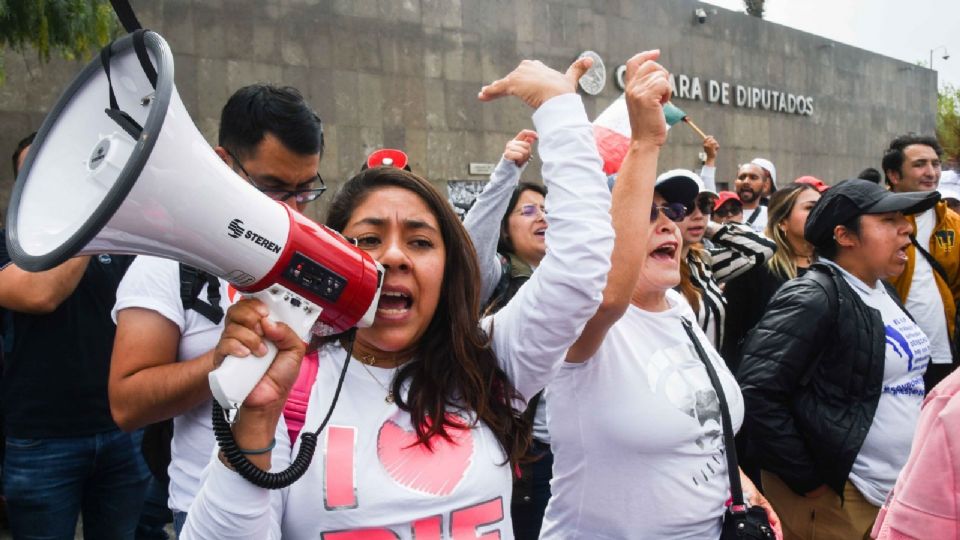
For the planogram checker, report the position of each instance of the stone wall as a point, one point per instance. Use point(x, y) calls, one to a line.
point(405, 73)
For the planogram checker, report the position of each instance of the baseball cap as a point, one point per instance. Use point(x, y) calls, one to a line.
point(812, 181)
point(725, 196)
point(679, 186)
point(855, 197)
point(767, 165)
point(949, 185)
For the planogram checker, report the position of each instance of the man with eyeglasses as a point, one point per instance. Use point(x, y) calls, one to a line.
point(169, 319)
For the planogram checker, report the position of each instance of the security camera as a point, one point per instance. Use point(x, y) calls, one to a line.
point(701, 15)
point(946, 56)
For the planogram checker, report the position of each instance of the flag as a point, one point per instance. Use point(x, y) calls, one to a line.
point(612, 131)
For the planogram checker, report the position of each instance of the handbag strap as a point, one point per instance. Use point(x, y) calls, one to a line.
point(730, 448)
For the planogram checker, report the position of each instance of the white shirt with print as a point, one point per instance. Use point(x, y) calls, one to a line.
point(887, 445)
point(637, 437)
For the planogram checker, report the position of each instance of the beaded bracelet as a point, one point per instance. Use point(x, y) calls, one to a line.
point(259, 451)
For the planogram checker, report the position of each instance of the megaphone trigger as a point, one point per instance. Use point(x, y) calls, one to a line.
point(236, 377)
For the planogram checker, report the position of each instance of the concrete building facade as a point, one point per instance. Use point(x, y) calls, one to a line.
point(405, 74)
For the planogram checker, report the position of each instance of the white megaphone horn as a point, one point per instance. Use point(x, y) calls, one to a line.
point(139, 178)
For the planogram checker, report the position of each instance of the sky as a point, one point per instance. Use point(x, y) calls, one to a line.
point(904, 29)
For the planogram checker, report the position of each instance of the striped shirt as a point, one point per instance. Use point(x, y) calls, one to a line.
point(736, 249)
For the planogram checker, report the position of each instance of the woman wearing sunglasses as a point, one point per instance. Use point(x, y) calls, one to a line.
point(727, 207)
point(735, 249)
point(634, 419)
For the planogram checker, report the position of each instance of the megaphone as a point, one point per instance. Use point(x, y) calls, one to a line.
point(139, 178)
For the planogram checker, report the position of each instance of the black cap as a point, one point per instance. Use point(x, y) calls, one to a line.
point(852, 198)
point(679, 186)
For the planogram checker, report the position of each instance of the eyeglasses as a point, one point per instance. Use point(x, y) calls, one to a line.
point(673, 211)
point(728, 210)
point(302, 196)
point(530, 210)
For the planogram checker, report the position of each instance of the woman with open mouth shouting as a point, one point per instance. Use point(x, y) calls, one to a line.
point(428, 430)
point(634, 419)
point(832, 375)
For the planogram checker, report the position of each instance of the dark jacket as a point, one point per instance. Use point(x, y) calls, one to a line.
point(811, 381)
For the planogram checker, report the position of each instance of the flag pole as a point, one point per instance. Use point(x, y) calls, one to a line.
point(695, 128)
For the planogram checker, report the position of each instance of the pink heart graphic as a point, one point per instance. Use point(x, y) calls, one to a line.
point(437, 471)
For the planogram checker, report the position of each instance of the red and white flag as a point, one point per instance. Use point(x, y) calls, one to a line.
point(612, 131)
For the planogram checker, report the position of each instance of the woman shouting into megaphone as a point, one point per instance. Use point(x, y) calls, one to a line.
point(429, 429)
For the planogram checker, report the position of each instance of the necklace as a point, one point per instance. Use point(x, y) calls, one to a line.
point(363, 363)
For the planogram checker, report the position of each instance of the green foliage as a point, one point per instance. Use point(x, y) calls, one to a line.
point(71, 28)
point(948, 122)
point(754, 7)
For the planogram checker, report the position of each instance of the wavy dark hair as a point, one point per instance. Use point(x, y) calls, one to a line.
point(455, 367)
point(505, 244)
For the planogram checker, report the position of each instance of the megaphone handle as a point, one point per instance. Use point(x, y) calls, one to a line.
point(233, 381)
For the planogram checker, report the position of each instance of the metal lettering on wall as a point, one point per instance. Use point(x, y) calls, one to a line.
point(725, 93)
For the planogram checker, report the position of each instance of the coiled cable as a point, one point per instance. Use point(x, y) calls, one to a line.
point(308, 440)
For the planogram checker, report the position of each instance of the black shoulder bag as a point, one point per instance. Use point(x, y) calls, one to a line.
point(739, 521)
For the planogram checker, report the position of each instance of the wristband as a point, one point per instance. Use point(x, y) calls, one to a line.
point(259, 451)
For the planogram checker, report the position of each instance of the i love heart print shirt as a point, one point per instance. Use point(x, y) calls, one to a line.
point(368, 461)
point(366, 480)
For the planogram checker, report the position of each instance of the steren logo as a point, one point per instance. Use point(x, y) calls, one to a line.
point(236, 230)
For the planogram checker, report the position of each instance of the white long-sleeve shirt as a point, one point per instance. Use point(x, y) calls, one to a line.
point(366, 475)
point(483, 223)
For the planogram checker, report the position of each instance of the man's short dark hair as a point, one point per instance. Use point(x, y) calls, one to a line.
point(870, 174)
point(893, 155)
point(258, 109)
point(21, 146)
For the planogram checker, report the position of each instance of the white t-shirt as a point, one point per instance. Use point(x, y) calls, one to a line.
point(637, 436)
point(154, 283)
point(887, 445)
point(369, 476)
point(760, 222)
point(924, 301)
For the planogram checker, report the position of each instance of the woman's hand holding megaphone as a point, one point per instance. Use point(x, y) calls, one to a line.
point(247, 329)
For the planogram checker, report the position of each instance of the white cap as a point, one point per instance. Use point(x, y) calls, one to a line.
point(949, 185)
point(767, 165)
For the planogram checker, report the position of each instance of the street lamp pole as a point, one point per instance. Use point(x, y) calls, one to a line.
point(946, 55)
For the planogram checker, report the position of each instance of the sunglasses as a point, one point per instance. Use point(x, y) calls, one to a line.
point(728, 210)
point(530, 210)
point(673, 211)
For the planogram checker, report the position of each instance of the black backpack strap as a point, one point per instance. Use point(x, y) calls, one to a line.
point(753, 217)
point(191, 282)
